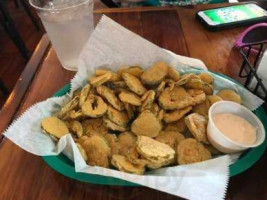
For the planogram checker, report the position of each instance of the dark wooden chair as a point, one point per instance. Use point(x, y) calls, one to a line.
point(110, 3)
point(8, 25)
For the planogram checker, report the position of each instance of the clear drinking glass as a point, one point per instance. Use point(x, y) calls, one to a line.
point(68, 23)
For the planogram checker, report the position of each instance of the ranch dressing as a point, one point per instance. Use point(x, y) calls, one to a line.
point(235, 128)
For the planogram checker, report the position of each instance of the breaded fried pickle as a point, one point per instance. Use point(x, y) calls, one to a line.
point(191, 151)
point(97, 151)
point(197, 124)
point(146, 124)
point(123, 164)
point(158, 154)
point(54, 127)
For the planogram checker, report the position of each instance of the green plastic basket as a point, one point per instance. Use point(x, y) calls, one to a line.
point(65, 166)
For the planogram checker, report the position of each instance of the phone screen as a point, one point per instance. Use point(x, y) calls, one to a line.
point(234, 13)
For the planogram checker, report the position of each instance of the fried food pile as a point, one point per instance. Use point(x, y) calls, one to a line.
point(138, 119)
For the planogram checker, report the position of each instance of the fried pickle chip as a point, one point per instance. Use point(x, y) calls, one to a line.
point(130, 98)
point(229, 95)
point(127, 141)
point(134, 84)
point(208, 88)
point(130, 109)
point(155, 109)
point(213, 99)
point(148, 100)
point(109, 95)
point(134, 157)
point(118, 84)
point(99, 80)
point(197, 124)
point(157, 153)
point(178, 126)
point(123, 164)
point(112, 126)
point(212, 150)
point(82, 151)
point(113, 143)
point(171, 138)
point(94, 126)
point(194, 83)
point(174, 99)
point(81, 140)
point(76, 115)
point(202, 108)
point(76, 127)
point(173, 74)
point(191, 151)
point(198, 96)
point(114, 77)
point(71, 105)
point(136, 71)
point(161, 114)
point(54, 127)
point(160, 88)
point(97, 151)
point(94, 106)
point(146, 124)
point(155, 74)
point(77, 93)
point(206, 77)
point(185, 78)
point(119, 118)
point(176, 114)
point(84, 94)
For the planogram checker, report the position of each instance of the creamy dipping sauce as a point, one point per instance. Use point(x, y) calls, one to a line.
point(235, 128)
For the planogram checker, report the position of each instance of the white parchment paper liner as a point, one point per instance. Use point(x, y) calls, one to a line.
point(111, 46)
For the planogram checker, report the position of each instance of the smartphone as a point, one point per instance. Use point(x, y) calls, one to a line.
point(231, 16)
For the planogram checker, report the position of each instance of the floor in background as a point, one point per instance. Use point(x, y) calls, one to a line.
point(11, 61)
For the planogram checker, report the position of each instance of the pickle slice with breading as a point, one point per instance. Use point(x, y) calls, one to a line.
point(99, 80)
point(171, 138)
point(229, 95)
point(157, 153)
point(174, 99)
point(123, 164)
point(130, 98)
point(175, 115)
point(197, 124)
point(155, 74)
point(134, 84)
point(94, 106)
point(119, 118)
point(97, 151)
point(76, 127)
point(127, 141)
point(54, 127)
point(82, 151)
point(146, 124)
point(109, 95)
point(191, 151)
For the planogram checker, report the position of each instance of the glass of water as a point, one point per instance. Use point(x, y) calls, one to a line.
point(68, 23)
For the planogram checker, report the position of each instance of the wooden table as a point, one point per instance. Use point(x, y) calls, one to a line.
point(25, 176)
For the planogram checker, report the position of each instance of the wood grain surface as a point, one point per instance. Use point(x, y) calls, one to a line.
point(26, 176)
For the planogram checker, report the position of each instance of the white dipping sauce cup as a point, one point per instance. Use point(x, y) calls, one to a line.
point(222, 142)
